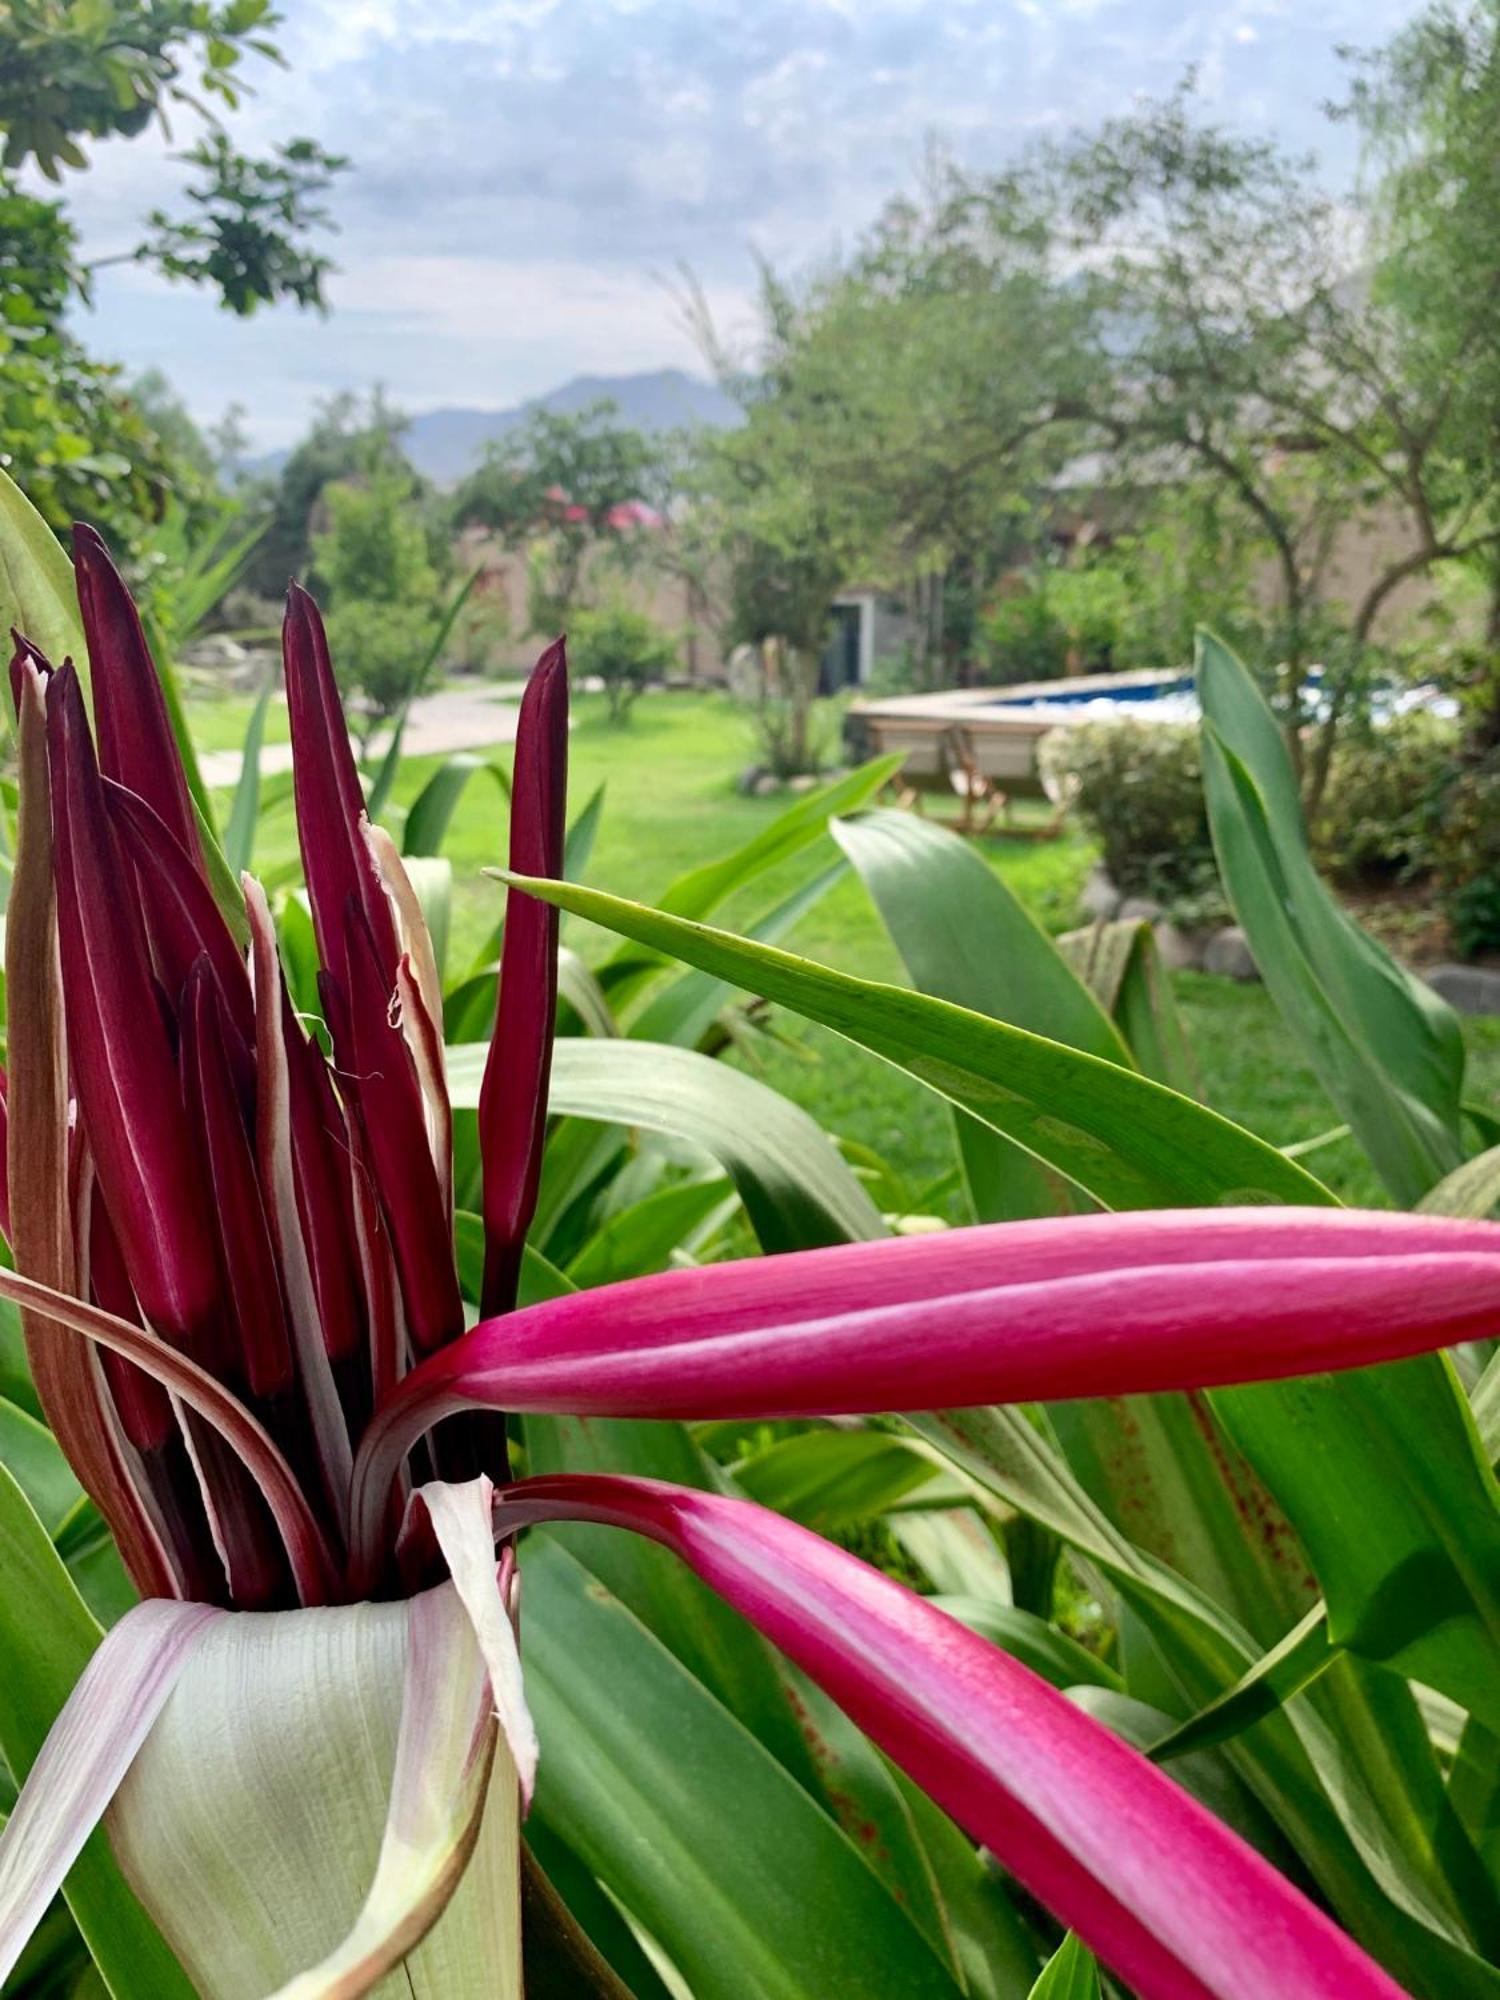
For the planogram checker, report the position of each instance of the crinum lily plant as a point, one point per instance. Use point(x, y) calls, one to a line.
point(233, 1239)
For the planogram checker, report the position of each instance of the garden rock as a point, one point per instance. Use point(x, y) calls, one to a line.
point(1140, 909)
point(1181, 951)
point(748, 779)
point(1472, 989)
point(805, 781)
point(1228, 954)
point(766, 786)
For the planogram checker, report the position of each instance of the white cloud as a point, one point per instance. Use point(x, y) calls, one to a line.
point(525, 167)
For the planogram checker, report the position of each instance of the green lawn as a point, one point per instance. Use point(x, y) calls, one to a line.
point(670, 803)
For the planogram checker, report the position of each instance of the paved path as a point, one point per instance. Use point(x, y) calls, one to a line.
point(453, 719)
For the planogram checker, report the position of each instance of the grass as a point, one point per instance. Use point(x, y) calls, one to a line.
point(671, 802)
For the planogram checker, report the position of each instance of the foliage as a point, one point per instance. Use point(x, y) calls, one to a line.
point(1138, 786)
point(1024, 636)
point(108, 68)
point(244, 236)
point(624, 649)
point(1465, 850)
point(1384, 798)
point(70, 431)
point(375, 563)
point(569, 486)
point(82, 445)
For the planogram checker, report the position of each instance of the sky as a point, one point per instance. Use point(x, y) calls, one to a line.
point(529, 176)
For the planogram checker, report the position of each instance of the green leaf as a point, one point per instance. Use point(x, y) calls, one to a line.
point(1120, 964)
point(769, 1897)
point(1286, 1670)
point(832, 1480)
point(963, 937)
point(685, 1009)
point(579, 844)
point(577, 986)
point(1386, 1049)
point(1383, 1476)
point(33, 1457)
point(1126, 1141)
point(239, 834)
point(1070, 1974)
point(37, 593)
point(797, 1191)
point(433, 808)
point(1471, 1190)
point(46, 1638)
point(704, 889)
point(643, 1236)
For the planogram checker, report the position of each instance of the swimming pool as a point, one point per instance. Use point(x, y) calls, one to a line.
point(998, 729)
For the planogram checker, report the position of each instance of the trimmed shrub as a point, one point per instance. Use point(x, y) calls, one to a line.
point(1382, 804)
point(1465, 847)
point(623, 648)
point(1138, 787)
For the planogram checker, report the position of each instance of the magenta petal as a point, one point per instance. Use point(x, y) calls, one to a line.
point(383, 1081)
point(183, 922)
point(145, 1409)
point(24, 655)
point(268, 1474)
point(1091, 1305)
point(124, 1072)
point(1166, 1894)
point(323, 1169)
point(513, 1096)
point(335, 861)
point(262, 1352)
point(136, 744)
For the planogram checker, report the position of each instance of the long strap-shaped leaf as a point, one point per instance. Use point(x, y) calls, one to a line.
point(1015, 1312)
point(78, 1769)
point(1174, 1901)
point(1385, 1047)
point(1125, 1140)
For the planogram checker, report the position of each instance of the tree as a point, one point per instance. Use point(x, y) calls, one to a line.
point(1250, 337)
point(76, 70)
point(786, 553)
point(344, 437)
point(569, 486)
point(1428, 106)
point(70, 432)
point(624, 649)
point(376, 568)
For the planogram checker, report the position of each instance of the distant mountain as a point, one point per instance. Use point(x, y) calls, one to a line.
point(445, 444)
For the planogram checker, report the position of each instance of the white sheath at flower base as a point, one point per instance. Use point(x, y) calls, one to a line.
point(253, 1823)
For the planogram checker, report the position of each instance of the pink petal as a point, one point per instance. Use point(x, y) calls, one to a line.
point(136, 744)
point(69, 1386)
point(1178, 1905)
point(1091, 1305)
point(123, 1068)
point(183, 922)
point(382, 1079)
point(335, 861)
point(252, 1286)
point(513, 1095)
point(306, 1546)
